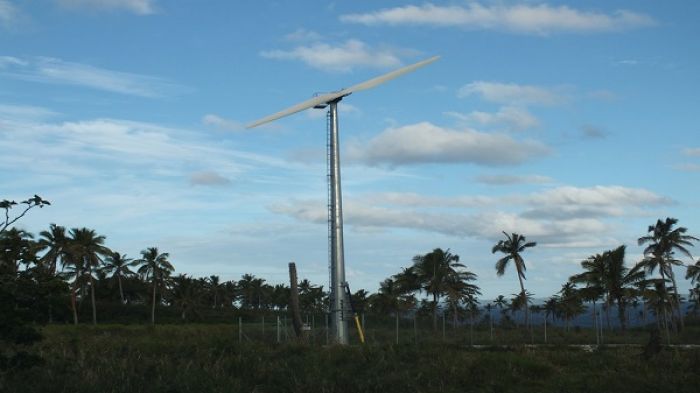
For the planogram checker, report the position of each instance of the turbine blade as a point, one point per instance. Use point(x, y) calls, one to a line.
point(389, 76)
point(328, 97)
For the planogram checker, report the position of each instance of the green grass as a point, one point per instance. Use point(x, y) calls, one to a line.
point(209, 358)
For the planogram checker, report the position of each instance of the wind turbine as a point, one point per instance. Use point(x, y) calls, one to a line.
point(339, 307)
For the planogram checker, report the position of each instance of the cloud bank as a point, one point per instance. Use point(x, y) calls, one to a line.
point(52, 70)
point(425, 142)
point(541, 19)
point(139, 7)
point(338, 58)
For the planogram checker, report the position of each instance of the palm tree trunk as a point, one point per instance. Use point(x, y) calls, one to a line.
point(92, 298)
point(121, 291)
point(522, 293)
point(677, 298)
point(621, 313)
point(153, 304)
point(435, 304)
point(74, 305)
point(665, 298)
point(595, 322)
point(454, 316)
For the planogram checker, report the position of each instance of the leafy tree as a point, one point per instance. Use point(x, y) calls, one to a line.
point(29, 203)
point(155, 265)
point(512, 246)
point(17, 247)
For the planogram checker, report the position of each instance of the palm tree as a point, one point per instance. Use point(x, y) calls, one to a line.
point(56, 243)
point(118, 265)
point(88, 248)
point(390, 298)
point(593, 278)
point(436, 272)
point(570, 303)
point(458, 290)
point(617, 280)
point(186, 295)
point(512, 246)
point(156, 266)
point(550, 307)
point(663, 241)
point(216, 289)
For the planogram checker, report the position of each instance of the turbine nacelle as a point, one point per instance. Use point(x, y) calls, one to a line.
point(324, 99)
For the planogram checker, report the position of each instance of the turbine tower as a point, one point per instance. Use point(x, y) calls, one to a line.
point(339, 307)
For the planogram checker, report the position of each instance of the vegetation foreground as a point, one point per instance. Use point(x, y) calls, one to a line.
point(208, 358)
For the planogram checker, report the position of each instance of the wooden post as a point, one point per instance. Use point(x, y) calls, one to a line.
point(240, 330)
point(294, 302)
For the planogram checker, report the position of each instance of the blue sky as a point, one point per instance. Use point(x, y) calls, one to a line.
point(573, 123)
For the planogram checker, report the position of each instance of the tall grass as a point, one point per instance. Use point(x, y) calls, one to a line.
point(209, 358)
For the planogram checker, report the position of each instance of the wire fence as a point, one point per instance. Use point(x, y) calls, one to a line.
point(420, 329)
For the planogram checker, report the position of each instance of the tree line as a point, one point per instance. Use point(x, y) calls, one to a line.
point(72, 267)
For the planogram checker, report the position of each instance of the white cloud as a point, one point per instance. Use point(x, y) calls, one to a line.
point(51, 70)
point(692, 151)
point(514, 118)
point(427, 143)
point(208, 178)
point(339, 58)
point(539, 19)
point(139, 7)
point(25, 112)
point(688, 167)
point(8, 15)
point(77, 149)
point(221, 123)
point(7, 61)
point(512, 94)
point(559, 217)
point(501, 180)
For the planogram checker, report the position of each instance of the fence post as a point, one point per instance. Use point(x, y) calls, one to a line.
point(240, 330)
point(278, 329)
point(443, 326)
point(545, 329)
point(397, 327)
point(327, 316)
point(263, 328)
point(415, 329)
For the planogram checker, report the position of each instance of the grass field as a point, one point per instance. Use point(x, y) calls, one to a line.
point(209, 358)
